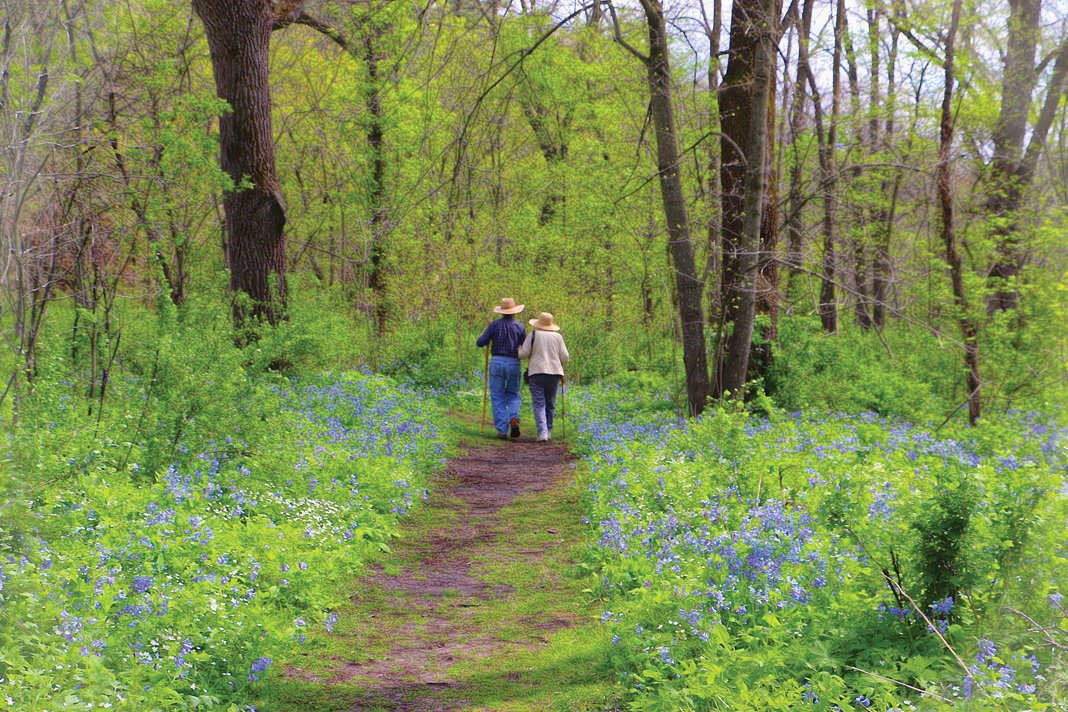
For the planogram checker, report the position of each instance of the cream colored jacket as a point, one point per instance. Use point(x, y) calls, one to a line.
point(549, 353)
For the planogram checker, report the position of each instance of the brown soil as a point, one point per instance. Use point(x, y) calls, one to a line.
point(426, 613)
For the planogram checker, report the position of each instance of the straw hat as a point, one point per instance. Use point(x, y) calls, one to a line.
point(508, 306)
point(544, 322)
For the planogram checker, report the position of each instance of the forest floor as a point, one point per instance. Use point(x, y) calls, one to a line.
point(479, 607)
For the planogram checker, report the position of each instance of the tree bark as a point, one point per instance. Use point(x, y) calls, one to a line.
point(763, 28)
point(736, 105)
point(239, 34)
point(967, 323)
point(713, 31)
point(1005, 190)
point(690, 287)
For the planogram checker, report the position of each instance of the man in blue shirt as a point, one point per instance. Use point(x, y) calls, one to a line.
point(505, 372)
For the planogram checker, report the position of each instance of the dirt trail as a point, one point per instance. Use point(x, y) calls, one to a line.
point(443, 608)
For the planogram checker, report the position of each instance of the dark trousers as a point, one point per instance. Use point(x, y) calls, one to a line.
point(543, 387)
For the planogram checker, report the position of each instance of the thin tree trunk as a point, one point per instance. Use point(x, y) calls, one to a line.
point(376, 280)
point(967, 323)
point(795, 226)
point(828, 296)
point(881, 273)
point(713, 32)
point(689, 286)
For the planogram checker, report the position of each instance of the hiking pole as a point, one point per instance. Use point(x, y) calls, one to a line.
point(563, 409)
point(485, 389)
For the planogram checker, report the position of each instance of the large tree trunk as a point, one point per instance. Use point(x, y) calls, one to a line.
point(763, 30)
point(239, 34)
point(736, 103)
point(949, 238)
point(1011, 170)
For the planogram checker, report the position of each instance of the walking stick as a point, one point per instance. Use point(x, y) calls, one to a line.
point(563, 409)
point(485, 389)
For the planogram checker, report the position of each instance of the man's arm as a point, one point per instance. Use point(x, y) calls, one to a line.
point(487, 335)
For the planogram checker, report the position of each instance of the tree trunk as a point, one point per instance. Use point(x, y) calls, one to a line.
point(379, 215)
point(1007, 180)
point(828, 296)
point(688, 285)
point(949, 238)
point(763, 29)
point(239, 34)
point(555, 152)
point(881, 272)
point(736, 104)
point(794, 225)
point(713, 31)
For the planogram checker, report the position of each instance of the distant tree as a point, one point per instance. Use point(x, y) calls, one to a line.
point(969, 328)
point(1012, 169)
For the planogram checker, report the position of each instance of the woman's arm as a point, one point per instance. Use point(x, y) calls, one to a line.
point(527, 346)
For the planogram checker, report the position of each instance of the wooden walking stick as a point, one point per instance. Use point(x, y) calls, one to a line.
point(485, 389)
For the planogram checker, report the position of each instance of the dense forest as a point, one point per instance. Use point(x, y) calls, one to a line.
point(755, 221)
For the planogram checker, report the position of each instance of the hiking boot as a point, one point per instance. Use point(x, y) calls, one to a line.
point(502, 436)
point(515, 427)
point(543, 437)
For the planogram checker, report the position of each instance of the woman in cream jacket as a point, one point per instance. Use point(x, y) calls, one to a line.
point(547, 354)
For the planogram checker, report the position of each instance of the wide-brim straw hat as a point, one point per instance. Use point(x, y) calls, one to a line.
point(508, 306)
point(545, 322)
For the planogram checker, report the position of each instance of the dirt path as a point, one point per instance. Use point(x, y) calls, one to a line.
point(467, 612)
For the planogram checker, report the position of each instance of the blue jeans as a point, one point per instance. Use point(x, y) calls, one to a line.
point(543, 387)
point(505, 377)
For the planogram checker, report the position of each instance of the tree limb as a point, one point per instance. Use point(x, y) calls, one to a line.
point(1048, 113)
point(324, 28)
point(617, 34)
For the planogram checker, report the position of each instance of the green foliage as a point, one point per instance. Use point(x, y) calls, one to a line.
point(856, 372)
